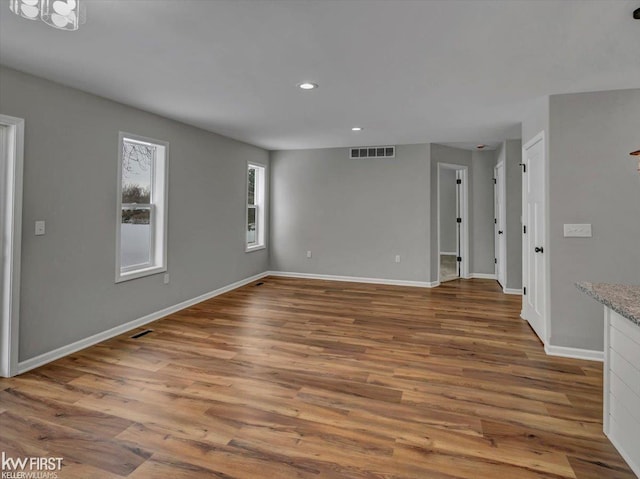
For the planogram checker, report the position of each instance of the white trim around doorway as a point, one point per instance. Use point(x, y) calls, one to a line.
point(11, 231)
point(464, 213)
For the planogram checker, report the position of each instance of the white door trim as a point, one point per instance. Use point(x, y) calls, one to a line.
point(12, 232)
point(464, 212)
point(525, 262)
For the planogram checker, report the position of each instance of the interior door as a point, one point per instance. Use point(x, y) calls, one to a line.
point(4, 318)
point(534, 265)
point(500, 226)
point(458, 222)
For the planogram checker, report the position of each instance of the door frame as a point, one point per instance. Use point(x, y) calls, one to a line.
point(546, 290)
point(500, 214)
point(464, 211)
point(11, 229)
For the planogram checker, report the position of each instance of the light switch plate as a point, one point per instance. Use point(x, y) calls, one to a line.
point(577, 231)
point(39, 228)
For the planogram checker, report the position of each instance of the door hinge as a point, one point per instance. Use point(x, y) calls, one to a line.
point(458, 181)
point(495, 182)
point(524, 167)
point(524, 229)
point(495, 221)
point(458, 220)
point(524, 290)
point(495, 260)
point(459, 259)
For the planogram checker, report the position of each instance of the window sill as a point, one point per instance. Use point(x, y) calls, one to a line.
point(139, 273)
point(257, 247)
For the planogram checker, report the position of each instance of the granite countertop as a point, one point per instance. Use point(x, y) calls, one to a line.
point(624, 299)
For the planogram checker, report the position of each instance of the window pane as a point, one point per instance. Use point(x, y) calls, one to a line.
point(252, 187)
point(251, 225)
point(137, 172)
point(135, 237)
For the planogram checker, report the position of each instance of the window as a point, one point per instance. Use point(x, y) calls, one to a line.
point(142, 207)
point(255, 225)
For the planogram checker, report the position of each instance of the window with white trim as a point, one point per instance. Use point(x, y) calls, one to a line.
point(142, 207)
point(255, 224)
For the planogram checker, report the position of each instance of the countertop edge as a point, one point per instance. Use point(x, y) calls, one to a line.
point(610, 300)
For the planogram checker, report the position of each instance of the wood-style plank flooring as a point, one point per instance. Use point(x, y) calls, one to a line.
point(317, 379)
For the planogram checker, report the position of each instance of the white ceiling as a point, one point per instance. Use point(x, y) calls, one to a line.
point(406, 71)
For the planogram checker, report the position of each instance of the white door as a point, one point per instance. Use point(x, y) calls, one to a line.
point(533, 246)
point(459, 222)
point(500, 226)
point(4, 319)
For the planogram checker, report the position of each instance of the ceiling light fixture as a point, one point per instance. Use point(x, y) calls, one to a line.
point(481, 147)
point(60, 14)
point(356, 128)
point(307, 85)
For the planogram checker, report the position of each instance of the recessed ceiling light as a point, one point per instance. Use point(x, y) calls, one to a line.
point(356, 128)
point(307, 86)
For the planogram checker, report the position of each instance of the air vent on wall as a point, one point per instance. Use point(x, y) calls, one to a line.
point(373, 152)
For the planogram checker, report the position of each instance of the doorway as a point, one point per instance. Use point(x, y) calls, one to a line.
point(11, 160)
point(534, 264)
point(453, 246)
point(500, 226)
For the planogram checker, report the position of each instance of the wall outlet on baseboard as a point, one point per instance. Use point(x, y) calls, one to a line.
point(397, 258)
point(308, 254)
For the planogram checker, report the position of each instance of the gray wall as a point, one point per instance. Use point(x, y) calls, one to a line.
point(482, 203)
point(455, 156)
point(71, 153)
point(513, 175)
point(536, 119)
point(448, 225)
point(510, 152)
point(354, 215)
point(592, 179)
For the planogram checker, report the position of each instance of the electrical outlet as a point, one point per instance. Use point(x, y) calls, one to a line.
point(397, 258)
point(39, 228)
point(165, 279)
point(308, 254)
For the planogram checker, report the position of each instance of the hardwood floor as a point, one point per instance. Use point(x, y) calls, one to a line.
point(318, 379)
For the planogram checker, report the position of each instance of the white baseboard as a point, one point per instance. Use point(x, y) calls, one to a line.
point(512, 291)
point(483, 276)
point(575, 353)
point(355, 279)
point(42, 359)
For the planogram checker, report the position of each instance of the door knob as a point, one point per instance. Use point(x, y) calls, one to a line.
point(538, 249)
point(500, 232)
